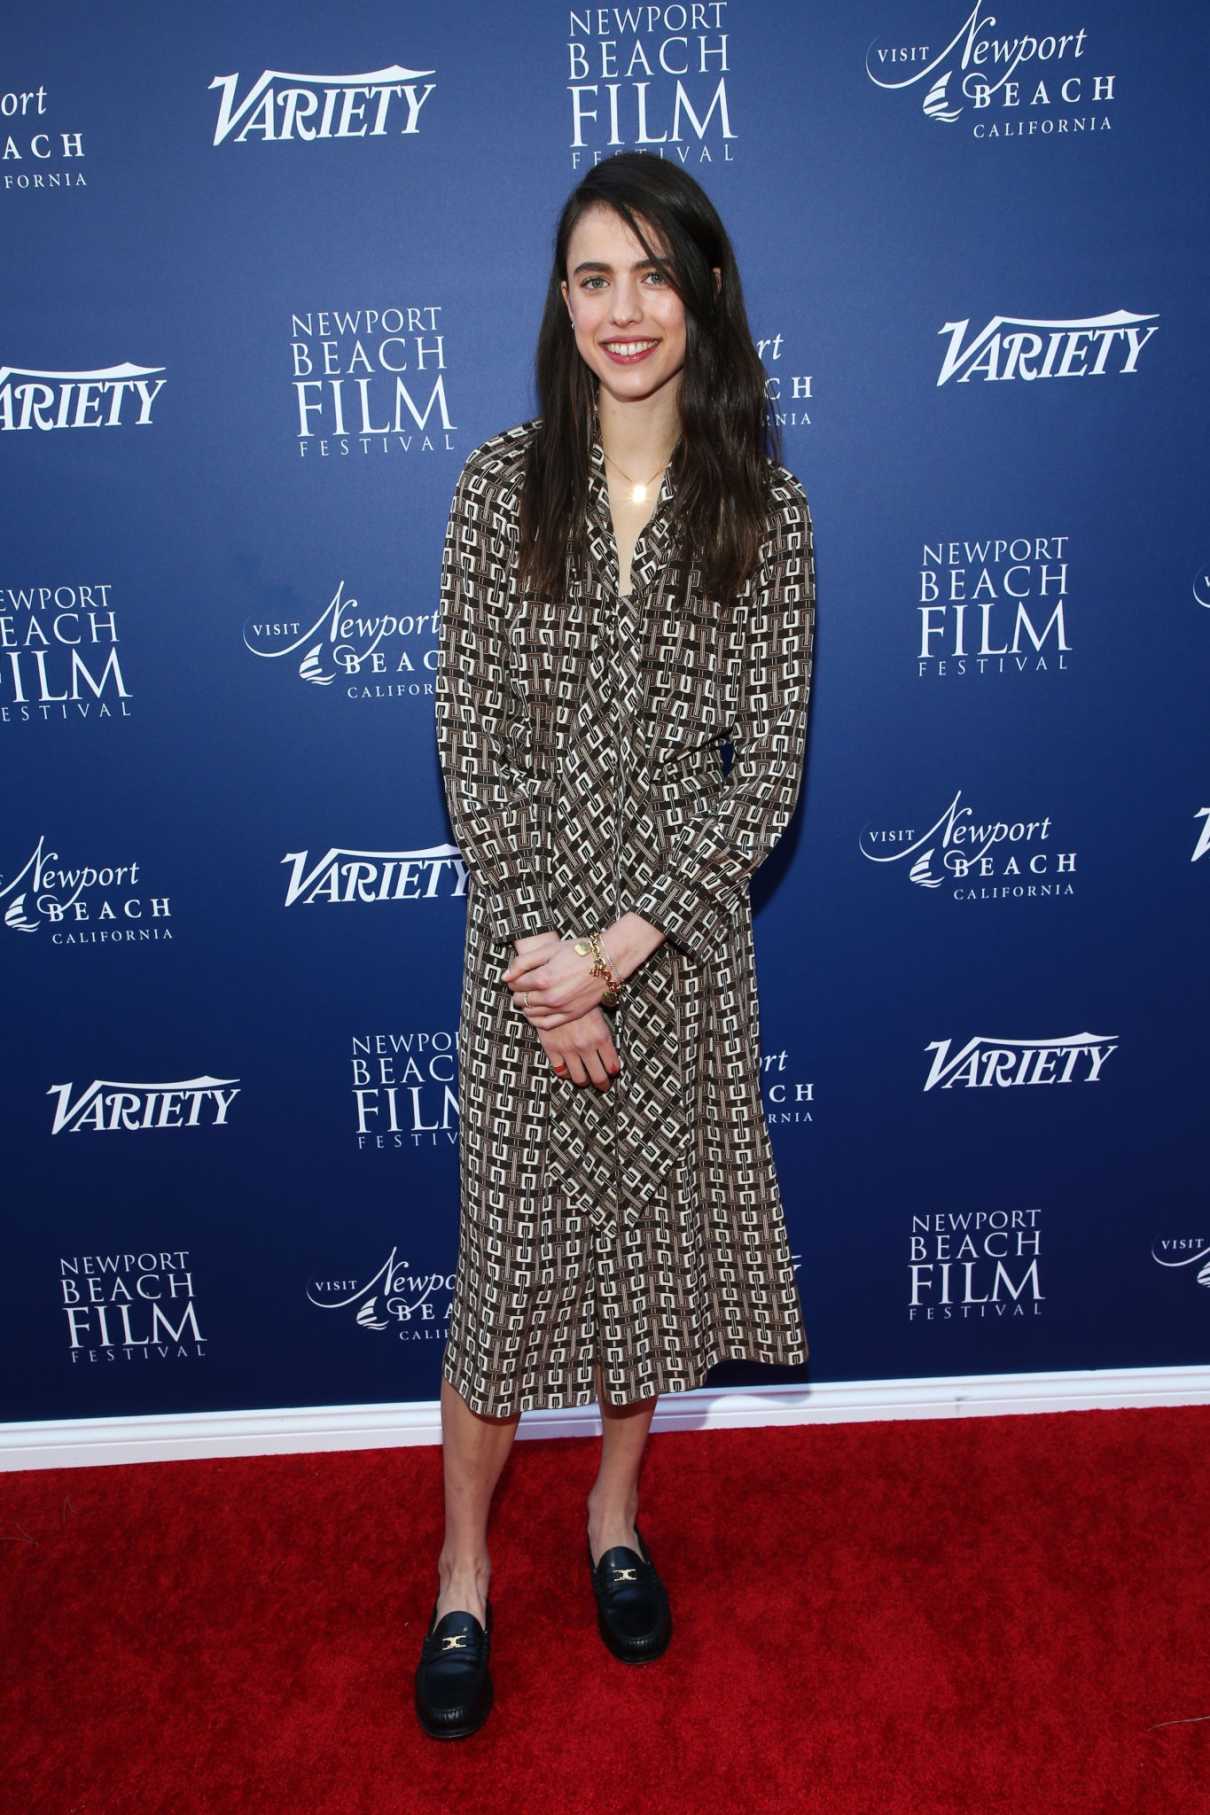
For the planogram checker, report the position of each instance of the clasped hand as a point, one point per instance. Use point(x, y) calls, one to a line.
point(556, 982)
point(554, 988)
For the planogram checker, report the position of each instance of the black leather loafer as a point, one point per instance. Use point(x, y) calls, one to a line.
point(633, 1614)
point(453, 1682)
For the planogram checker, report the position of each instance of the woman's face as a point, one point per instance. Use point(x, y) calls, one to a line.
point(629, 321)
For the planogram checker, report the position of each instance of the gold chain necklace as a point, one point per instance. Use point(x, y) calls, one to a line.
point(638, 489)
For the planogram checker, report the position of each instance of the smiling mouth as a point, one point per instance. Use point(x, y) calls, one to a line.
point(629, 352)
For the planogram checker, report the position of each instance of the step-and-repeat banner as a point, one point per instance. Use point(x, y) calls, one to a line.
point(272, 273)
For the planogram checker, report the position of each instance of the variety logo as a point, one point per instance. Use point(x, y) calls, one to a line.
point(362, 648)
point(405, 1089)
point(986, 860)
point(107, 1107)
point(790, 393)
point(342, 877)
point(109, 397)
point(974, 1264)
point(997, 605)
point(1201, 587)
point(1184, 1251)
point(1203, 842)
point(371, 379)
point(277, 105)
point(86, 905)
point(415, 1304)
point(130, 1307)
point(984, 1062)
point(651, 77)
point(1020, 86)
point(1063, 350)
point(24, 142)
point(59, 654)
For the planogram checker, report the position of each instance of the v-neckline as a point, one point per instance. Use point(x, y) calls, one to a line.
point(651, 543)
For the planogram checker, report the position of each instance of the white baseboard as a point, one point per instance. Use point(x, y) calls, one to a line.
point(89, 1442)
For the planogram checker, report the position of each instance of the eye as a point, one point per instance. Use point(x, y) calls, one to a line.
point(657, 277)
point(590, 283)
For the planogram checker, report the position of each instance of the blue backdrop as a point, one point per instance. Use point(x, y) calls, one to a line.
point(272, 273)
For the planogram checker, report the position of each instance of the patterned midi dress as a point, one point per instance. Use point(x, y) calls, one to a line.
point(579, 738)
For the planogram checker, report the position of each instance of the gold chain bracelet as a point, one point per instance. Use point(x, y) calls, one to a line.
point(601, 967)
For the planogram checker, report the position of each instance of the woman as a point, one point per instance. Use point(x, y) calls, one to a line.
point(628, 582)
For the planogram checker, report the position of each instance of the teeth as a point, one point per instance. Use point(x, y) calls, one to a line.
point(627, 348)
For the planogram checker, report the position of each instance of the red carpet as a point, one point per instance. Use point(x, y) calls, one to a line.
point(969, 1615)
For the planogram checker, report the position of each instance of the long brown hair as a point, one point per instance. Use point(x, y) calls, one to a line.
point(728, 434)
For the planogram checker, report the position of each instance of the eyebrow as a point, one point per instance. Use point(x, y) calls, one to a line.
point(642, 264)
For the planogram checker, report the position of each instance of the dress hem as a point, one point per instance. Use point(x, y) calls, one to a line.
point(588, 1396)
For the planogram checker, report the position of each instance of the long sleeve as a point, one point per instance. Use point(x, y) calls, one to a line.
point(480, 721)
point(696, 898)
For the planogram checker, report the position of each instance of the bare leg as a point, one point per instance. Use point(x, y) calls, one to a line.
point(474, 1450)
point(614, 1499)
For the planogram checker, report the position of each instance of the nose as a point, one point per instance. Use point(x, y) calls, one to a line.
point(627, 304)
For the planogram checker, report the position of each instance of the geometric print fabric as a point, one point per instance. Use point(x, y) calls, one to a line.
point(641, 1227)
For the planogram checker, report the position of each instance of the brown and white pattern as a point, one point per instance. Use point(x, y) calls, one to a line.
point(579, 740)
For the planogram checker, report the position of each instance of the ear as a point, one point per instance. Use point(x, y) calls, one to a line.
point(566, 297)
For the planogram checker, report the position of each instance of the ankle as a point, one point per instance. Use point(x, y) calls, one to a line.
point(610, 1522)
point(604, 1506)
point(463, 1583)
point(454, 1568)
